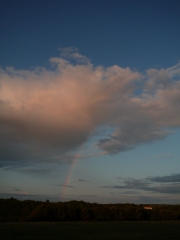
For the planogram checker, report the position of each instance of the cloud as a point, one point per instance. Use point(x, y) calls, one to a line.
point(46, 114)
point(17, 190)
point(82, 180)
point(167, 179)
point(64, 185)
point(72, 53)
point(134, 184)
point(165, 184)
point(34, 170)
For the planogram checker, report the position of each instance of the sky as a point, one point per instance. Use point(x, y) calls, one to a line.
point(90, 100)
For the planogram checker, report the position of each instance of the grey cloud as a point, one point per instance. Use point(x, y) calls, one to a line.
point(17, 190)
point(64, 185)
point(168, 184)
point(167, 188)
point(37, 171)
point(72, 53)
point(166, 179)
point(131, 184)
point(112, 146)
point(165, 155)
point(82, 180)
point(129, 137)
point(130, 192)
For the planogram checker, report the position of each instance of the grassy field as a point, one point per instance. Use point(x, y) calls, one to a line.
point(89, 231)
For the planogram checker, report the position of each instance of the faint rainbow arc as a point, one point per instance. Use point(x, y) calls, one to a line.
point(68, 177)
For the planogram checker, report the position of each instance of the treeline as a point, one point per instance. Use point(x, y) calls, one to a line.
point(13, 210)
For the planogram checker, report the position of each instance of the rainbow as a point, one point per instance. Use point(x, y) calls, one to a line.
point(68, 177)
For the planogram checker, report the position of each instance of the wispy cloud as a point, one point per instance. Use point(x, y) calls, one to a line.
point(47, 114)
point(175, 178)
point(165, 184)
point(17, 190)
point(35, 170)
point(64, 185)
point(82, 180)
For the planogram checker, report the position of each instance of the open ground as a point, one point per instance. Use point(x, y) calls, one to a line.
point(81, 230)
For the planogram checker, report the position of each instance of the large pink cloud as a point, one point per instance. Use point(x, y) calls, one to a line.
point(59, 109)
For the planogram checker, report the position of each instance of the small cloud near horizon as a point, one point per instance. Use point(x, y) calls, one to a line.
point(82, 180)
point(64, 185)
point(165, 184)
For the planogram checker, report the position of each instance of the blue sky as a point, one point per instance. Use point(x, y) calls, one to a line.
point(90, 100)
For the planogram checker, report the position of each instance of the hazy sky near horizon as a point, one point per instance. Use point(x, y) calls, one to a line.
point(90, 100)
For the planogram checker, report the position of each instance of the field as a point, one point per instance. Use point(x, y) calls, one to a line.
point(91, 231)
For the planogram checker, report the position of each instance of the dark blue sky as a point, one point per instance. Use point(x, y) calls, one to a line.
point(139, 34)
